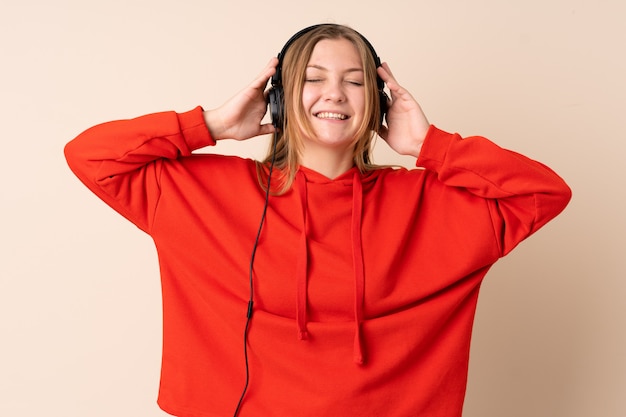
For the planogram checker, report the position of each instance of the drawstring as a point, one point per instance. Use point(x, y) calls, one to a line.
point(302, 265)
point(357, 261)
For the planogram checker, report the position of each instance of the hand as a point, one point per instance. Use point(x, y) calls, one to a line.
point(406, 123)
point(240, 117)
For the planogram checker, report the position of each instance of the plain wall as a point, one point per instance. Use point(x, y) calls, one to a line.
point(80, 317)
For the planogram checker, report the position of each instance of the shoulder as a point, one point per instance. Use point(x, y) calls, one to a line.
point(399, 182)
point(211, 165)
point(394, 174)
point(216, 160)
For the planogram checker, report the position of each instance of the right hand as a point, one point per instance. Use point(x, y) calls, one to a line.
point(240, 117)
point(407, 125)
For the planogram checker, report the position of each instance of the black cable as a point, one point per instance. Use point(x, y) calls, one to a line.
point(251, 300)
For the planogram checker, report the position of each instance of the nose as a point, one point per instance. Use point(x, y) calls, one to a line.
point(334, 91)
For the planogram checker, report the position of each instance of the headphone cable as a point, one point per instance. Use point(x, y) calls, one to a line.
point(251, 299)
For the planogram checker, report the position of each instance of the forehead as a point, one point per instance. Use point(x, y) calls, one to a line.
point(331, 53)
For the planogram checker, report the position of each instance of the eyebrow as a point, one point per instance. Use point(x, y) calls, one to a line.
point(319, 67)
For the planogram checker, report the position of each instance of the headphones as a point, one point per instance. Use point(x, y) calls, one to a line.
point(276, 95)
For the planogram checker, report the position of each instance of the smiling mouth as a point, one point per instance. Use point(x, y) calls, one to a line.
point(331, 116)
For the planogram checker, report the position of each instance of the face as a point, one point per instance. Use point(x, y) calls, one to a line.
point(333, 95)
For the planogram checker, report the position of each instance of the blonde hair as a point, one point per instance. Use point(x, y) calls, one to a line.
point(289, 138)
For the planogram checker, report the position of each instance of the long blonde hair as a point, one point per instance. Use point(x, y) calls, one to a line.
point(289, 138)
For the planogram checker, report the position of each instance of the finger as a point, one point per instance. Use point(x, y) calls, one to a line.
point(387, 76)
point(385, 73)
point(264, 76)
point(267, 128)
point(388, 69)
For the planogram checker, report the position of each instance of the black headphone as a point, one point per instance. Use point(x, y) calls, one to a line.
point(276, 96)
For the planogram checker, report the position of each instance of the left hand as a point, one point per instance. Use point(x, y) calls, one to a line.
point(406, 123)
point(240, 118)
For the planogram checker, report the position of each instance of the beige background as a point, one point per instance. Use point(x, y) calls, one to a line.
point(79, 287)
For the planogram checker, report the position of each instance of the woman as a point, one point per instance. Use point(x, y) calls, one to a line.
point(362, 280)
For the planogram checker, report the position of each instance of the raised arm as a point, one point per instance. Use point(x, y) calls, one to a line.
point(522, 194)
point(120, 161)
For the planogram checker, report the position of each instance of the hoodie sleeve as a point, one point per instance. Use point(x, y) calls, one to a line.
point(120, 161)
point(523, 194)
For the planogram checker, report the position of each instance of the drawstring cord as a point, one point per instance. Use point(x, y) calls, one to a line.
point(357, 264)
point(302, 265)
point(357, 261)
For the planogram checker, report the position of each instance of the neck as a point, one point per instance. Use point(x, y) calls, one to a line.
point(328, 162)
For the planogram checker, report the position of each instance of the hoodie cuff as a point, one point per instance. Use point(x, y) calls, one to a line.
point(435, 148)
point(194, 129)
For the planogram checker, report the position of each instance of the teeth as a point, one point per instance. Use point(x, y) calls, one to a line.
point(328, 115)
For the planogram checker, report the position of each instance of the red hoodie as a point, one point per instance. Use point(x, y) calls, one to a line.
point(365, 285)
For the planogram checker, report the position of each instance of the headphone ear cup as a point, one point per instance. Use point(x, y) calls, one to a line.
point(383, 99)
point(276, 102)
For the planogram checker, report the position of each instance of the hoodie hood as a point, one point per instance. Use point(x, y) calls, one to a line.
point(354, 179)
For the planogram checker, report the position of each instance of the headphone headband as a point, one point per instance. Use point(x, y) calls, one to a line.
point(277, 78)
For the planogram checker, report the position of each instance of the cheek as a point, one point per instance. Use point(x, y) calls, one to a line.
point(308, 98)
point(358, 101)
point(359, 108)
